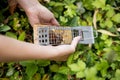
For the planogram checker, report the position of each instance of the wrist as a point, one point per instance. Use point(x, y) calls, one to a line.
point(28, 5)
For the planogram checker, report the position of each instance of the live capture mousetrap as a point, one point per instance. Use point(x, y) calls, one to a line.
point(52, 35)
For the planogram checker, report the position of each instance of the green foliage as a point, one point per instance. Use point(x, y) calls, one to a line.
point(99, 4)
point(90, 62)
point(4, 28)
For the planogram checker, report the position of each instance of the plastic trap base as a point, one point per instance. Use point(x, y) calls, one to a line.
point(51, 35)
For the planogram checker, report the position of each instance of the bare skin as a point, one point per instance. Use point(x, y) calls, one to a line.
point(14, 50)
point(37, 13)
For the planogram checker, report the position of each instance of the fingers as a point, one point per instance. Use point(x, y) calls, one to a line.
point(66, 50)
point(75, 41)
point(41, 15)
point(33, 19)
point(53, 21)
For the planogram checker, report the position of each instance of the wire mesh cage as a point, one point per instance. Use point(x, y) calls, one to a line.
point(51, 35)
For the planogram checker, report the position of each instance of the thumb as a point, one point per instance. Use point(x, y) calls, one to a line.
point(75, 41)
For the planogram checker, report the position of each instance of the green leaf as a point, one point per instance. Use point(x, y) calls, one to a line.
point(60, 77)
point(104, 37)
point(90, 73)
point(108, 42)
point(83, 23)
point(16, 24)
point(11, 34)
point(63, 70)
point(15, 76)
point(113, 66)
point(110, 12)
point(37, 76)
point(81, 64)
point(31, 70)
point(77, 54)
point(52, 3)
point(116, 18)
point(22, 36)
point(54, 68)
point(43, 62)
point(63, 19)
point(102, 67)
point(86, 4)
point(117, 74)
point(70, 10)
point(45, 77)
point(4, 28)
point(31, 67)
point(102, 24)
point(70, 59)
point(27, 63)
point(74, 67)
point(80, 74)
point(99, 3)
point(99, 16)
point(74, 21)
point(4, 79)
point(109, 23)
point(10, 72)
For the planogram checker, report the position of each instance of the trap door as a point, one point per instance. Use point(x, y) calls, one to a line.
point(86, 32)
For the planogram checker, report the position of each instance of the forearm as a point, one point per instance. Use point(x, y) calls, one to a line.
point(14, 50)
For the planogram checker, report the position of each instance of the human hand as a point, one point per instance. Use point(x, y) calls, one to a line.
point(64, 51)
point(37, 14)
point(29, 51)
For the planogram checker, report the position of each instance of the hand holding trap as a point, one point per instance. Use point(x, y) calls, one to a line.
point(51, 35)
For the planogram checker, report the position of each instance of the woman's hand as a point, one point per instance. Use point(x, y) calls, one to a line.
point(64, 51)
point(14, 50)
point(37, 13)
